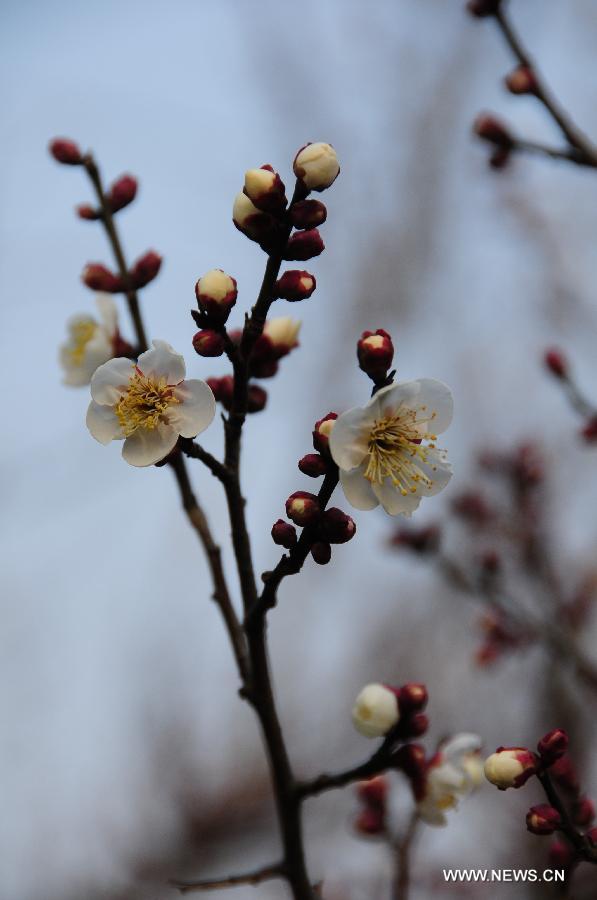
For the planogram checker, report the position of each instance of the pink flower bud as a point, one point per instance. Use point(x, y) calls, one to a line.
point(482, 8)
point(510, 767)
point(122, 192)
point(521, 80)
point(256, 398)
point(553, 745)
point(564, 772)
point(373, 792)
point(583, 811)
point(303, 508)
point(208, 343)
point(321, 553)
point(313, 465)
point(88, 212)
point(256, 225)
point(216, 293)
point(370, 821)
point(284, 534)
point(321, 432)
point(489, 128)
point(222, 389)
point(336, 526)
point(543, 819)
point(412, 697)
point(265, 190)
point(561, 855)
point(416, 725)
point(316, 166)
point(556, 362)
point(145, 269)
point(99, 278)
point(473, 508)
point(308, 214)
point(65, 152)
point(375, 353)
point(304, 245)
point(295, 285)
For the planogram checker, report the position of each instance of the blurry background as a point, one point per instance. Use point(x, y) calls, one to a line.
point(125, 756)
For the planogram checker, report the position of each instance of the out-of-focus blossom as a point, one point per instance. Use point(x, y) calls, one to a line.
point(375, 711)
point(454, 772)
point(90, 342)
point(282, 332)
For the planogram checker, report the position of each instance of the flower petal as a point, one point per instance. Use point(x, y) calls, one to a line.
point(148, 446)
point(438, 470)
point(111, 380)
point(196, 409)
point(393, 501)
point(432, 399)
point(163, 362)
point(460, 744)
point(357, 488)
point(108, 312)
point(350, 436)
point(103, 423)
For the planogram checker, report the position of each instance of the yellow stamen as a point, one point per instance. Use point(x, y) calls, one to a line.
point(395, 451)
point(145, 403)
point(81, 333)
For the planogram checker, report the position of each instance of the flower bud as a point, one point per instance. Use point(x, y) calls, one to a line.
point(99, 278)
point(65, 152)
point(543, 819)
point(122, 192)
point(336, 526)
point(561, 855)
point(256, 398)
point(521, 80)
point(375, 353)
point(284, 534)
point(500, 157)
point(303, 508)
point(489, 128)
point(370, 821)
point(265, 189)
point(264, 368)
point(308, 214)
point(510, 767)
point(304, 245)
point(412, 697)
point(473, 507)
point(321, 432)
point(321, 553)
point(255, 224)
point(313, 465)
point(419, 540)
point(416, 725)
point(295, 285)
point(410, 758)
point(564, 772)
point(556, 362)
point(553, 745)
point(482, 8)
point(208, 343)
point(375, 711)
point(583, 811)
point(222, 389)
point(146, 268)
point(316, 166)
point(373, 792)
point(282, 333)
point(216, 293)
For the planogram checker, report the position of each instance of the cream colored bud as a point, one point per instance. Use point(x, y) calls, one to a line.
point(282, 331)
point(316, 165)
point(243, 209)
point(510, 767)
point(259, 182)
point(216, 285)
point(375, 711)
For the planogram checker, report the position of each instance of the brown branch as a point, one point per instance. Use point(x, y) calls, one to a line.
point(570, 155)
point(403, 850)
point(581, 844)
point(379, 762)
point(195, 451)
point(253, 878)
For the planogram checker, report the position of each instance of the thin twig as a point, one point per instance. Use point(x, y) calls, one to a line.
point(581, 844)
point(379, 762)
point(570, 155)
point(252, 878)
point(195, 451)
point(403, 850)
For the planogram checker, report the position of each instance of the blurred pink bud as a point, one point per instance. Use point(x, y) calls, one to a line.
point(419, 540)
point(99, 278)
point(374, 791)
point(556, 362)
point(589, 430)
point(412, 697)
point(489, 128)
point(145, 269)
point(66, 152)
point(222, 389)
point(122, 192)
point(583, 811)
point(564, 772)
point(561, 855)
point(521, 80)
point(370, 821)
point(87, 211)
point(482, 8)
point(543, 819)
point(208, 343)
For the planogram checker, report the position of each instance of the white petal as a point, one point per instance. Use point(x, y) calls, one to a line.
point(434, 396)
point(163, 362)
point(438, 470)
point(357, 488)
point(196, 409)
point(111, 380)
point(430, 814)
point(146, 447)
point(460, 744)
point(103, 423)
point(350, 436)
point(108, 312)
point(393, 501)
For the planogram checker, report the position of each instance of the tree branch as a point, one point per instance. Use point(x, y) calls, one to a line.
point(253, 878)
point(379, 762)
point(581, 844)
point(195, 451)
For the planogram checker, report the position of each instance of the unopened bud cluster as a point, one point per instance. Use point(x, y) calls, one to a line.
point(98, 277)
point(380, 709)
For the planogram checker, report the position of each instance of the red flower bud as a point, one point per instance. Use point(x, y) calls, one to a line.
point(145, 269)
point(308, 214)
point(99, 278)
point(313, 465)
point(583, 811)
point(370, 821)
point(265, 190)
point(321, 432)
point(216, 293)
point(553, 745)
point(256, 398)
point(208, 343)
point(491, 129)
point(284, 534)
point(564, 772)
point(66, 152)
point(88, 212)
point(337, 527)
point(412, 697)
point(472, 507)
point(543, 819)
point(373, 792)
point(321, 553)
point(295, 285)
point(521, 80)
point(556, 362)
point(561, 855)
point(482, 8)
point(304, 245)
point(375, 353)
point(416, 725)
point(222, 389)
point(303, 508)
point(410, 758)
point(122, 192)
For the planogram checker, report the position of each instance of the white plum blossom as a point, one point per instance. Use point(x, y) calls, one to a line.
point(386, 450)
point(375, 711)
point(317, 166)
point(148, 404)
point(90, 342)
point(454, 772)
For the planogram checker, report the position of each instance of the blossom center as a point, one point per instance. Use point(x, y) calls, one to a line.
point(81, 334)
point(395, 451)
point(145, 403)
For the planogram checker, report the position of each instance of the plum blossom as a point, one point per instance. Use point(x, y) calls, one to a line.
point(90, 343)
point(454, 772)
point(148, 404)
point(375, 711)
point(386, 450)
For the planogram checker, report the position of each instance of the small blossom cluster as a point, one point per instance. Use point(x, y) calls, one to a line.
point(381, 710)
